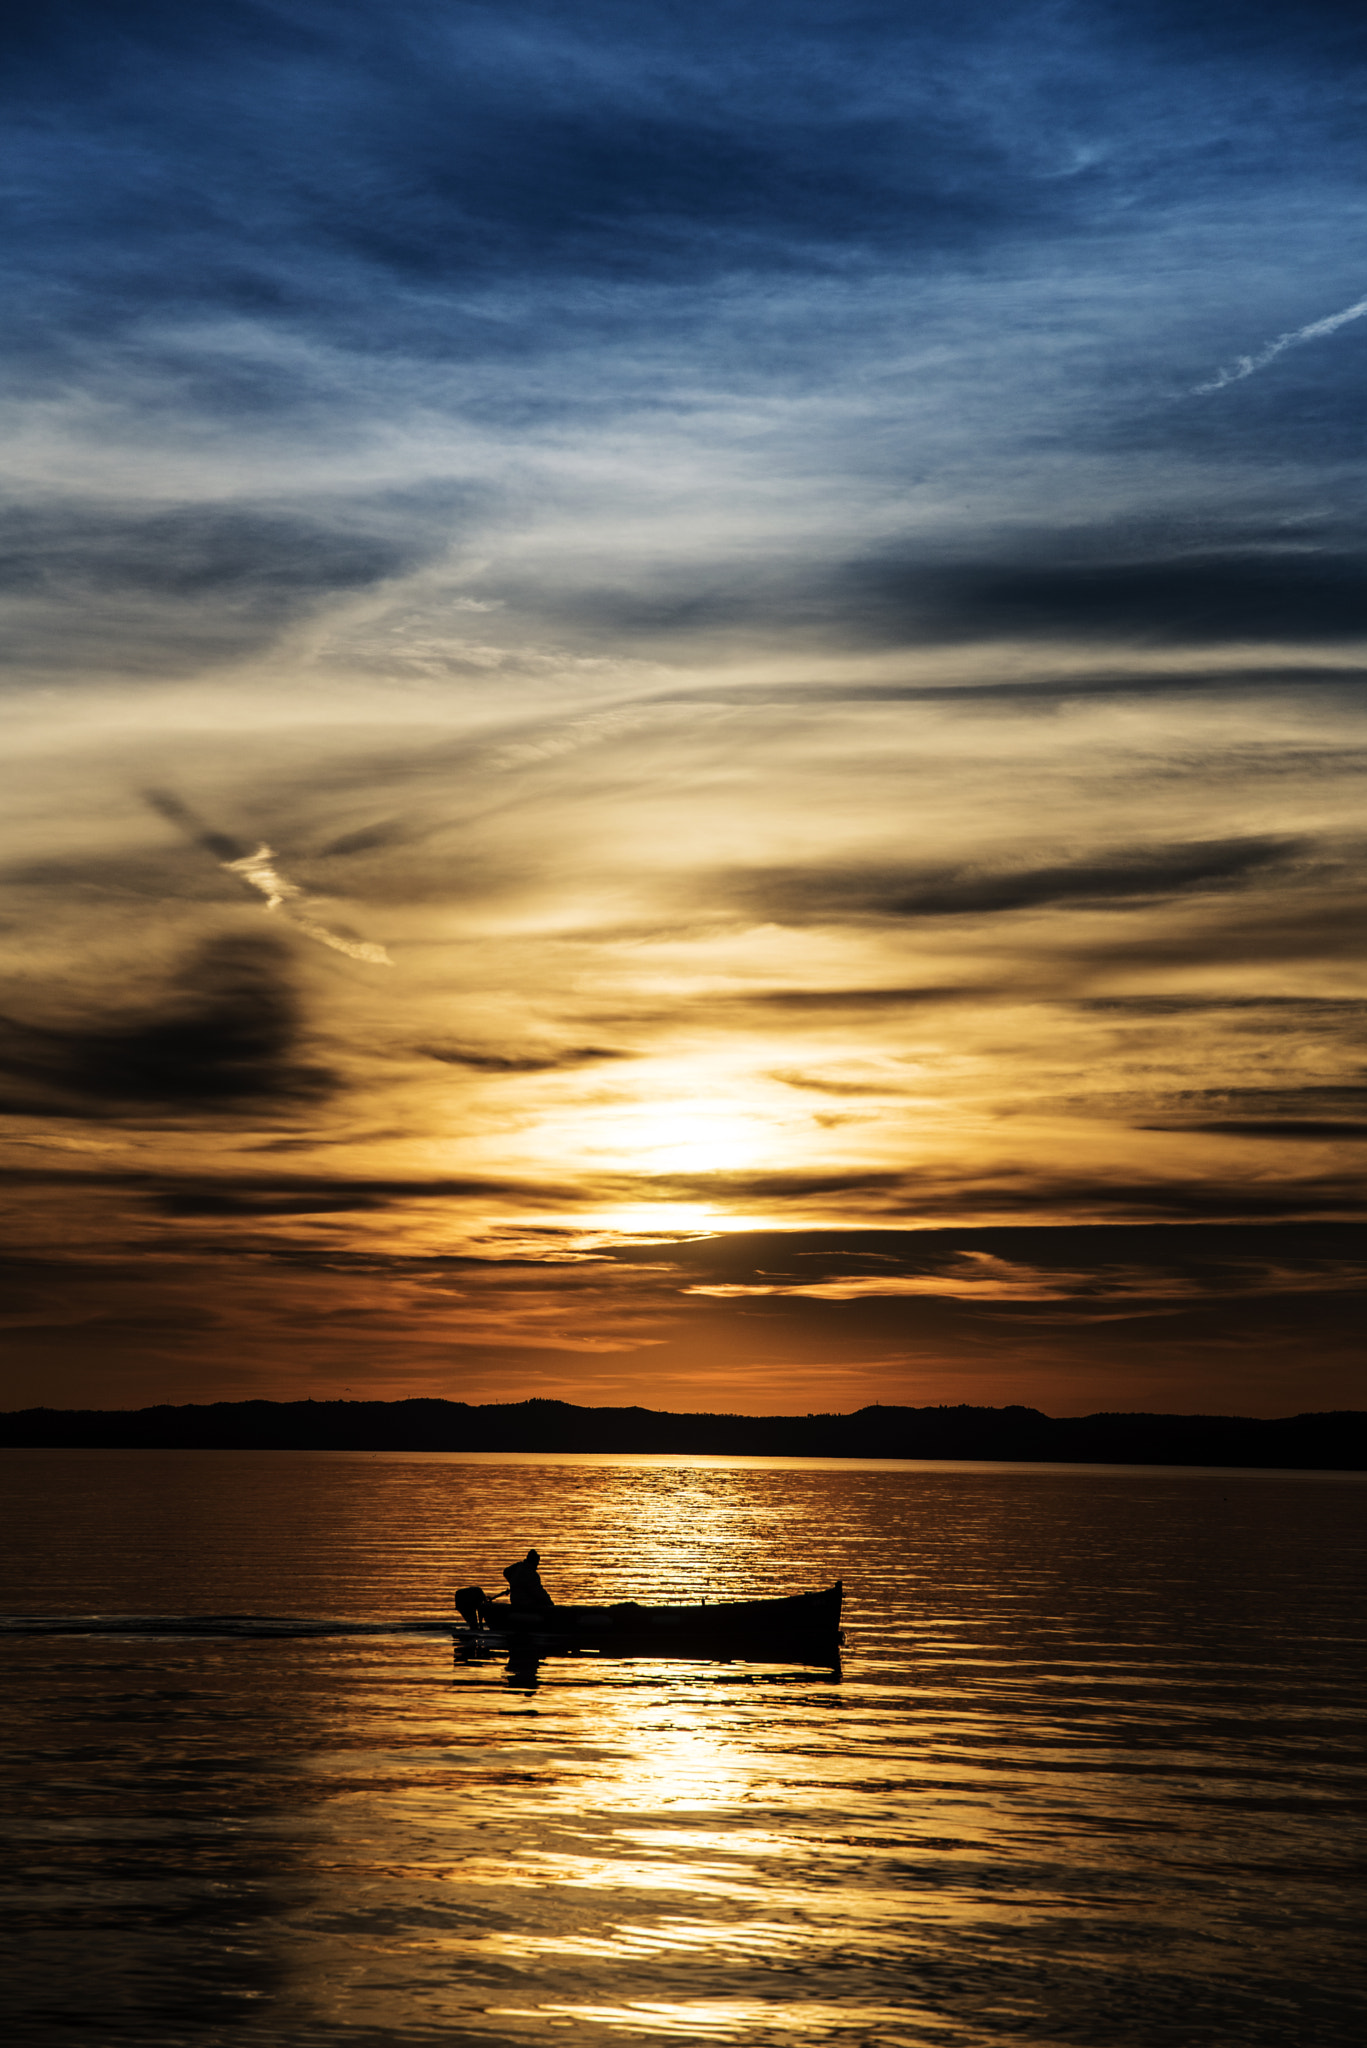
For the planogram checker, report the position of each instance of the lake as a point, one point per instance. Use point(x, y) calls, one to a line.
point(1093, 1769)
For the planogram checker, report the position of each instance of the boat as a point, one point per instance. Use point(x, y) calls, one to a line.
point(804, 1628)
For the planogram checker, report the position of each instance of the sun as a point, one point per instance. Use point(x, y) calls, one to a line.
point(688, 1138)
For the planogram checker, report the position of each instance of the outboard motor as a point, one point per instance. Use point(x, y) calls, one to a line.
point(475, 1607)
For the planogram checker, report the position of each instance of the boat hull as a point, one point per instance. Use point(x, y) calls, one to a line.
point(804, 1628)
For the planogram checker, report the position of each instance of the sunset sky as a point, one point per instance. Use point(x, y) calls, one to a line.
point(687, 690)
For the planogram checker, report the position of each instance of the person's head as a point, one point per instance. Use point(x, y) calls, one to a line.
point(533, 1557)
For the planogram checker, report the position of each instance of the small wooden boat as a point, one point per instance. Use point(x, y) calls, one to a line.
point(802, 1629)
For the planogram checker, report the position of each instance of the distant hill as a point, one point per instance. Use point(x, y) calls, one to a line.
point(1335, 1441)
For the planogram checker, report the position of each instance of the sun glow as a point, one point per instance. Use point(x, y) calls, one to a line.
point(662, 1220)
point(687, 1138)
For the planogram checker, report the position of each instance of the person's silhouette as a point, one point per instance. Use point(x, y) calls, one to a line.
point(525, 1587)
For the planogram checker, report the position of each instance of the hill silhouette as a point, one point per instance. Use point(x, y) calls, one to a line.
point(1333, 1441)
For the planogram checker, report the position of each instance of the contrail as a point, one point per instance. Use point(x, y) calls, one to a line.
point(258, 871)
point(1246, 365)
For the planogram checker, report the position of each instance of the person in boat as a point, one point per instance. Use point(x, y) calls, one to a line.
point(525, 1588)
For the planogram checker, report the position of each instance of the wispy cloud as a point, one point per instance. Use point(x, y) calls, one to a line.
point(1245, 366)
point(486, 1060)
point(1118, 877)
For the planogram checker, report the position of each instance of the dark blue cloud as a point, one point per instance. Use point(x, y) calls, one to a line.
point(294, 186)
point(1261, 594)
point(1011, 236)
point(192, 551)
point(201, 154)
point(143, 590)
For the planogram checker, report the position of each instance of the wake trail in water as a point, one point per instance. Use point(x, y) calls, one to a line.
point(220, 1625)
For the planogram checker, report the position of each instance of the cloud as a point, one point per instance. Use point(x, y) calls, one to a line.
point(1101, 1261)
point(871, 999)
point(1348, 1008)
point(1044, 691)
point(1120, 878)
point(225, 1037)
point(232, 1193)
point(1247, 366)
point(662, 328)
point(367, 839)
point(865, 1194)
point(283, 1195)
point(488, 1062)
point(641, 148)
point(1298, 595)
point(828, 1084)
point(169, 806)
point(147, 589)
point(1289, 1128)
point(859, 1196)
point(191, 552)
point(1306, 926)
point(1322, 1098)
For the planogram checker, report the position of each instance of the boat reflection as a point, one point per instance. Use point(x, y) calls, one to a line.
point(522, 1670)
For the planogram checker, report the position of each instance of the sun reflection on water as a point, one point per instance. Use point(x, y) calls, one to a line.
point(752, 2019)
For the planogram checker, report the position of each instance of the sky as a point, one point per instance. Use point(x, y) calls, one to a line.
point(685, 701)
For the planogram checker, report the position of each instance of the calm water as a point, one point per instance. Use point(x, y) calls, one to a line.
point(1093, 1770)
